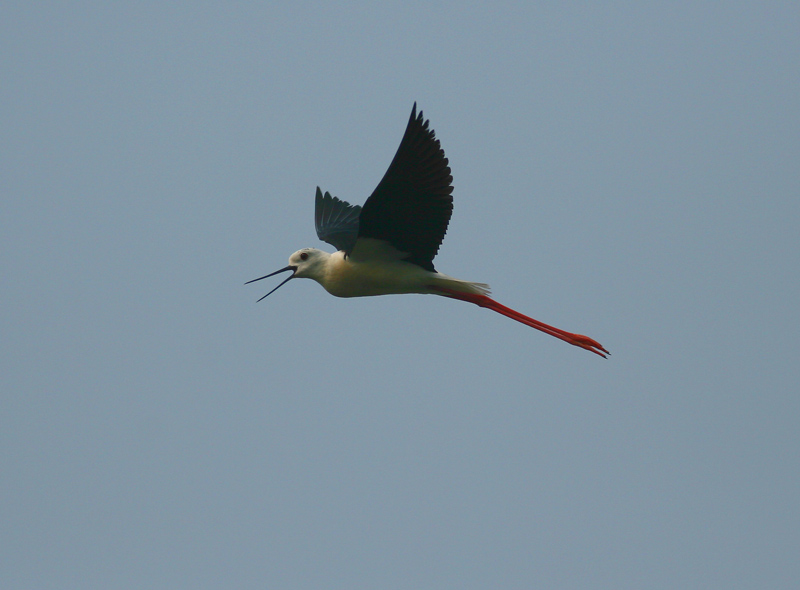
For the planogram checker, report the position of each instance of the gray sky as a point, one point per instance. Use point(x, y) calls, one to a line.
point(624, 170)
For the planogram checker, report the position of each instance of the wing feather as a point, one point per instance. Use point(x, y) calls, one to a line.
point(336, 221)
point(411, 206)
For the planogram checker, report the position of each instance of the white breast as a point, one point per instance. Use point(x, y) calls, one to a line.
point(345, 277)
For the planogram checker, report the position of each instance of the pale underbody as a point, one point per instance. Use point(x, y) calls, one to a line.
point(374, 268)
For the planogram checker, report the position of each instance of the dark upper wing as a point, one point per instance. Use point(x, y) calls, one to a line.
point(336, 221)
point(412, 204)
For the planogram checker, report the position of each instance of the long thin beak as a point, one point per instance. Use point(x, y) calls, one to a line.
point(290, 267)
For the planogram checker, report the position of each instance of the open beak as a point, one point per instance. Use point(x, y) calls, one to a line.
point(290, 267)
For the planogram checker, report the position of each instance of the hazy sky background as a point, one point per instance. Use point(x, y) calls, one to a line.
point(627, 170)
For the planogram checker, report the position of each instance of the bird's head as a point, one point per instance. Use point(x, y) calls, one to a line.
point(307, 263)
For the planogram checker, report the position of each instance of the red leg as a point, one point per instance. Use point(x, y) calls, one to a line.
point(489, 303)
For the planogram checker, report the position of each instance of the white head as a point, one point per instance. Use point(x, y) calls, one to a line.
point(308, 263)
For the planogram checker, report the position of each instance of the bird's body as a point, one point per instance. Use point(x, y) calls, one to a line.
point(387, 246)
point(374, 268)
point(343, 276)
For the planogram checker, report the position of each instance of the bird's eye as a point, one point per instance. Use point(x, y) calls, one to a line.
point(304, 256)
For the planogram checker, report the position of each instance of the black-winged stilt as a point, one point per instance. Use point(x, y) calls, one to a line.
point(388, 245)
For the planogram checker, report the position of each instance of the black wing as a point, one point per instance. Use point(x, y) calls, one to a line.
point(336, 221)
point(412, 204)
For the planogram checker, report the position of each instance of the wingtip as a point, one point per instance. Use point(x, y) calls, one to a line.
point(414, 114)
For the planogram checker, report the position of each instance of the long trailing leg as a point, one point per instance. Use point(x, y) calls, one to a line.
point(484, 301)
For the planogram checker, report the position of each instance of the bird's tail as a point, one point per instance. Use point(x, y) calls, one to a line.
point(439, 281)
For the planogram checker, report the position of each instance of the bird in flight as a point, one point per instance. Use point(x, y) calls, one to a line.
point(388, 245)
